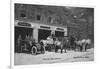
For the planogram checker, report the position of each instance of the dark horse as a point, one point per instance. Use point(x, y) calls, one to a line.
point(61, 43)
point(72, 43)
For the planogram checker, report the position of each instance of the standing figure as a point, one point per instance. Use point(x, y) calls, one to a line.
point(72, 42)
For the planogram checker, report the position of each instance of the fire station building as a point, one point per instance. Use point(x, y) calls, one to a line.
point(37, 21)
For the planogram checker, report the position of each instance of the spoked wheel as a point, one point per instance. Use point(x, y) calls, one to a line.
point(34, 50)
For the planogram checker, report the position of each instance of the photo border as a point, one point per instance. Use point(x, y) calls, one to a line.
point(38, 3)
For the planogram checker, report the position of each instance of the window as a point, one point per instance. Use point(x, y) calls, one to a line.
point(49, 19)
point(38, 17)
point(23, 14)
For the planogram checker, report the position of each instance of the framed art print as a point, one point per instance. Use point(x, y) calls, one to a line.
point(44, 33)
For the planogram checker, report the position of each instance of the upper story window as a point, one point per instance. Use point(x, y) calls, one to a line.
point(50, 19)
point(23, 14)
point(38, 17)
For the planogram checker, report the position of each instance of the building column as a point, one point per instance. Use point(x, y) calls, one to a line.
point(65, 34)
point(35, 34)
point(53, 32)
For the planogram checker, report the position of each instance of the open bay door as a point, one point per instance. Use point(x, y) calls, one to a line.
point(43, 34)
point(59, 33)
point(21, 32)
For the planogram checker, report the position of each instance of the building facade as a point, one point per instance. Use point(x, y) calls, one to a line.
point(37, 21)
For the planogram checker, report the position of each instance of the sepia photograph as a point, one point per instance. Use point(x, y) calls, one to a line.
point(45, 34)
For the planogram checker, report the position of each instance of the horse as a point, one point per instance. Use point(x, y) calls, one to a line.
point(72, 43)
point(61, 43)
point(48, 44)
point(79, 44)
point(86, 43)
point(83, 44)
